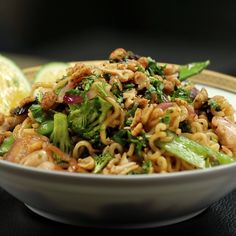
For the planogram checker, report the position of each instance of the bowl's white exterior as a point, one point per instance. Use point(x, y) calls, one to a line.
point(117, 201)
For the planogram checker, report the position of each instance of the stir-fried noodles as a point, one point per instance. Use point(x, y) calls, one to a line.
point(126, 116)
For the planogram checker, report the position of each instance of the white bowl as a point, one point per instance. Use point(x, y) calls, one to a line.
point(123, 201)
point(117, 201)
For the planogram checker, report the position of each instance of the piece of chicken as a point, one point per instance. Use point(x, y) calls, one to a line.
point(226, 132)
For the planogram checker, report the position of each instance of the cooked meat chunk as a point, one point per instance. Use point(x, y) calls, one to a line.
point(78, 72)
point(49, 99)
point(118, 55)
point(141, 80)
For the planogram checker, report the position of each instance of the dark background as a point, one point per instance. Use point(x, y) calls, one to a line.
point(37, 31)
point(169, 31)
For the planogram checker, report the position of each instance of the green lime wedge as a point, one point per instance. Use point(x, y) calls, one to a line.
point(51, 72)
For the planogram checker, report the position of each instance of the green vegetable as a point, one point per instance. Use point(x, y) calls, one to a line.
point(58, 89)
point(206, 152)
point(75, 91)
point(101, 89)
point(147, 166)
point(121, 136)
point(87, 82)
point(83, 87)
point(60, 134)
point(183, 94)
point(139, 141)
point(6, 145)
point(101, 161)
point(214, 105)
point(132, 110)
point(165, 119)
point(46, 127)
point(140, 68)
point(116, 91)
point(179, 149)
point(128, 122)
point(87, 120)
point(156, 87)
point(194, 153)
point(153, 68)
point(124, 137)
point(129, 86)
point(73, 107)
point(191, 69)
point(38, 113)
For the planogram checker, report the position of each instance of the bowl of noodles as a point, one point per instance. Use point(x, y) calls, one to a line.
point(127, 143)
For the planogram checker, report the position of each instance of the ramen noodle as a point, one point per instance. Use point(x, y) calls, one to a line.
point(129, 115)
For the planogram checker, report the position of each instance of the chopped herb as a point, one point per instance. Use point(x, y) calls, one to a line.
point(153, 68)
point(38, 114)
point(156, 87)
point(147, 166)
point(140, 141)
point(140, 68)
point(128, 122)
point(214, 105)
point(165, 119)
point(124, 137)
point(116, 91)
point(132, 110)
point(148, 93)
point(129, 86)
point(75, 91)
point(6, 145)
point(83, 87)
point(120, 99)
point(183, 94)
point(87, 82)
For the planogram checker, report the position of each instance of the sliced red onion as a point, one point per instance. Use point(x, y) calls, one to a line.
point(72, 98)
point(193, 92)
point(63, 91)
